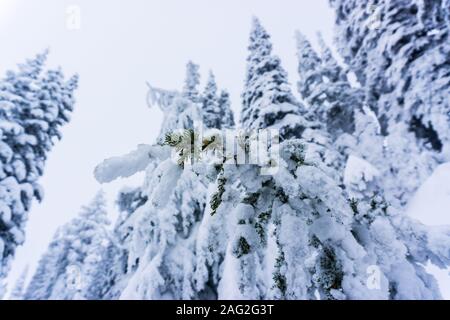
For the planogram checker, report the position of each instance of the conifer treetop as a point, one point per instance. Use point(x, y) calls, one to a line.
point(267, 100)
point(192, 80)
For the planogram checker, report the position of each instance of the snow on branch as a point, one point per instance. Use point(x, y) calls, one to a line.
point(162, 98)
point(129, 164)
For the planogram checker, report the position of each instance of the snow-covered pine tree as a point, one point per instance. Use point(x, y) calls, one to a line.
point(45, 276)
point(345, 124)
point(267, 100)
point(78, 262)
point(181, 110)
point(210, 104)
point(309, 68)
point(34, 105)
point(159, 221)
point(216, 109)
point(399, 52)
point(225, 110)
point(297, 235)
point(331, 103)
point(324, 86)
point(17, 291)
point(191, 82)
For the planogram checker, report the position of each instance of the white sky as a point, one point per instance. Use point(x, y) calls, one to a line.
point(122, 44)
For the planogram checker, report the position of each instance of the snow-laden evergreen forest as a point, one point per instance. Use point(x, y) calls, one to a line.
point(318, 189)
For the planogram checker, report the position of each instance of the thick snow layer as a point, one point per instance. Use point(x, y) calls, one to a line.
point(129, 164)
point(358, 172)
point(431, 203)
point(431, 206)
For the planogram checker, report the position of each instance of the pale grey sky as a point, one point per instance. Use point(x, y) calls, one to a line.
point(120, 46)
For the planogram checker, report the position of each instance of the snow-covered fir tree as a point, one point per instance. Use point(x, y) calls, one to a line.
point(160, 220)
point(216, 110)
point(331, 102)
point(399, 52)
point(267, 100)
point(324, 86)
point(225, 110)
point(218, 228)
point(191, 82)
point(78, 261)
point(182, 110)
point(210, 104)
point(348, 128)
point(268, 214)
point(34, 105)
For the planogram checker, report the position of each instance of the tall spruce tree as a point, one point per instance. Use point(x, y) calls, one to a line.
point(226, 114)
point(216, 109)
point(191, 82)
point(331, 102)
point(34, 106)
point(210, 104)
point(324, 86)
point(267, 100)
point(266, 214)
point(181, 110)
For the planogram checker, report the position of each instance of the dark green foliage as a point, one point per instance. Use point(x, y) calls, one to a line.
point(242, 248)
point(354, 205)
point(260, 225)
point(131, 200)
point(216, 198)
point(278, 278)
point(299, 157)
point(330, 274)
point(280, 282)
point(172, 139)
point(282, 196)
point(251, 198)
point(184, 144)
point(379, 203)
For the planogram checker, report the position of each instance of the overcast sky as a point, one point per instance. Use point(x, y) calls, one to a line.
point(120, 45)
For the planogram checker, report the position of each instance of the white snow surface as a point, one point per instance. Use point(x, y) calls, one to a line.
point(129, 164)
point(358, 172)
point(431, 206)
point(431, 203)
